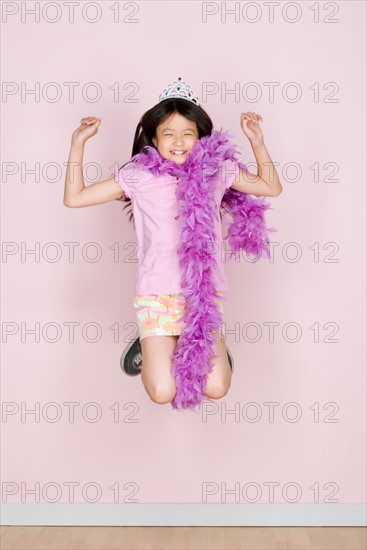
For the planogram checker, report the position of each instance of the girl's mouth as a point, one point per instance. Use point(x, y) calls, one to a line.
point(178, 152)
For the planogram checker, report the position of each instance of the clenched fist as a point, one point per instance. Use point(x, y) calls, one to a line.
point(87, 129)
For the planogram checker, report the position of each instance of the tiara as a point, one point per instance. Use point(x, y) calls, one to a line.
point(179, 89)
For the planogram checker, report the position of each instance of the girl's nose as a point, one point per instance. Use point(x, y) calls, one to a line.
point(178, 140)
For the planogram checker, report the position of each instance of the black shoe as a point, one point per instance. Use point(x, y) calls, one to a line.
point(131, 359)
point(230, 358)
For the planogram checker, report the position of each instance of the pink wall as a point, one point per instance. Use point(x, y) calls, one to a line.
point(150, 452)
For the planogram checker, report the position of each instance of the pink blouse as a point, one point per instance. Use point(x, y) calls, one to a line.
point(154, 207)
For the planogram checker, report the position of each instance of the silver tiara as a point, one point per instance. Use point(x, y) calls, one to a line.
point(179, 89)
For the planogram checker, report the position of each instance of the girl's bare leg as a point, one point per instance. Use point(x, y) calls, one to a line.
point(219, 379)
point(157, 354)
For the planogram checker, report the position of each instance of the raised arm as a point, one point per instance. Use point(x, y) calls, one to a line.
point(266, 182)
point(76, 195)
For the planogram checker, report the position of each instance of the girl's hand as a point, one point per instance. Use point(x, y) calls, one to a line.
point(87, 129)
point(250, 126)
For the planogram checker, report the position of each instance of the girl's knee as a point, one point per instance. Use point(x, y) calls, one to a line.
point(161, 393)
point(216, 389)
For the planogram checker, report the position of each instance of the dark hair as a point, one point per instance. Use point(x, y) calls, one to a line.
point(146, 129)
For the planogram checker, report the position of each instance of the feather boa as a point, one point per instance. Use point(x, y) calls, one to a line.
point(196, 214)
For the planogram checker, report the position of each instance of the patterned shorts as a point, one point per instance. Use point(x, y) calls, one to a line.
point(161, 314)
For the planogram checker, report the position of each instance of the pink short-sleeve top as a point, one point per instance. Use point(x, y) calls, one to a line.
point(154, 206)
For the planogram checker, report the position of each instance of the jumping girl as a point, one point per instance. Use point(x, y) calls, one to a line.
point(181, 173)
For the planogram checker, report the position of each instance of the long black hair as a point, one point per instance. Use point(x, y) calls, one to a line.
point(146, 129)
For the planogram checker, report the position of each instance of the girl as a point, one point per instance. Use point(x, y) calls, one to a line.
point(181, 172)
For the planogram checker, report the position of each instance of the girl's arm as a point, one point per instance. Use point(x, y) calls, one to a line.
point(266, 182)
point(76, 194)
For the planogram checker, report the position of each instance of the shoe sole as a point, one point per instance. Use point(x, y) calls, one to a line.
point(126, 363)
point(230, 359)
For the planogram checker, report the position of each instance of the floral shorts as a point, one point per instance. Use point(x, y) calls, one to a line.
point(161, 314)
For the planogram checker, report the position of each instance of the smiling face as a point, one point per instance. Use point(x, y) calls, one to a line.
point(175, 138)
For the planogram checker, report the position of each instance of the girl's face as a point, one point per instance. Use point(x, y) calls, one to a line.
point(175, 137)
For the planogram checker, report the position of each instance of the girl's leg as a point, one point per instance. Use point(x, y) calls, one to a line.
point(219, 379)
point(157, 354)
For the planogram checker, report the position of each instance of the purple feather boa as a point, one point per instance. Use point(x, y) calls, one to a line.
point(196, 213)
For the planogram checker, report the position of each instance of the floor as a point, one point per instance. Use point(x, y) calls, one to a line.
point(182, 538)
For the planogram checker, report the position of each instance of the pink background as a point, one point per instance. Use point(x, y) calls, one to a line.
point(153, 453)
